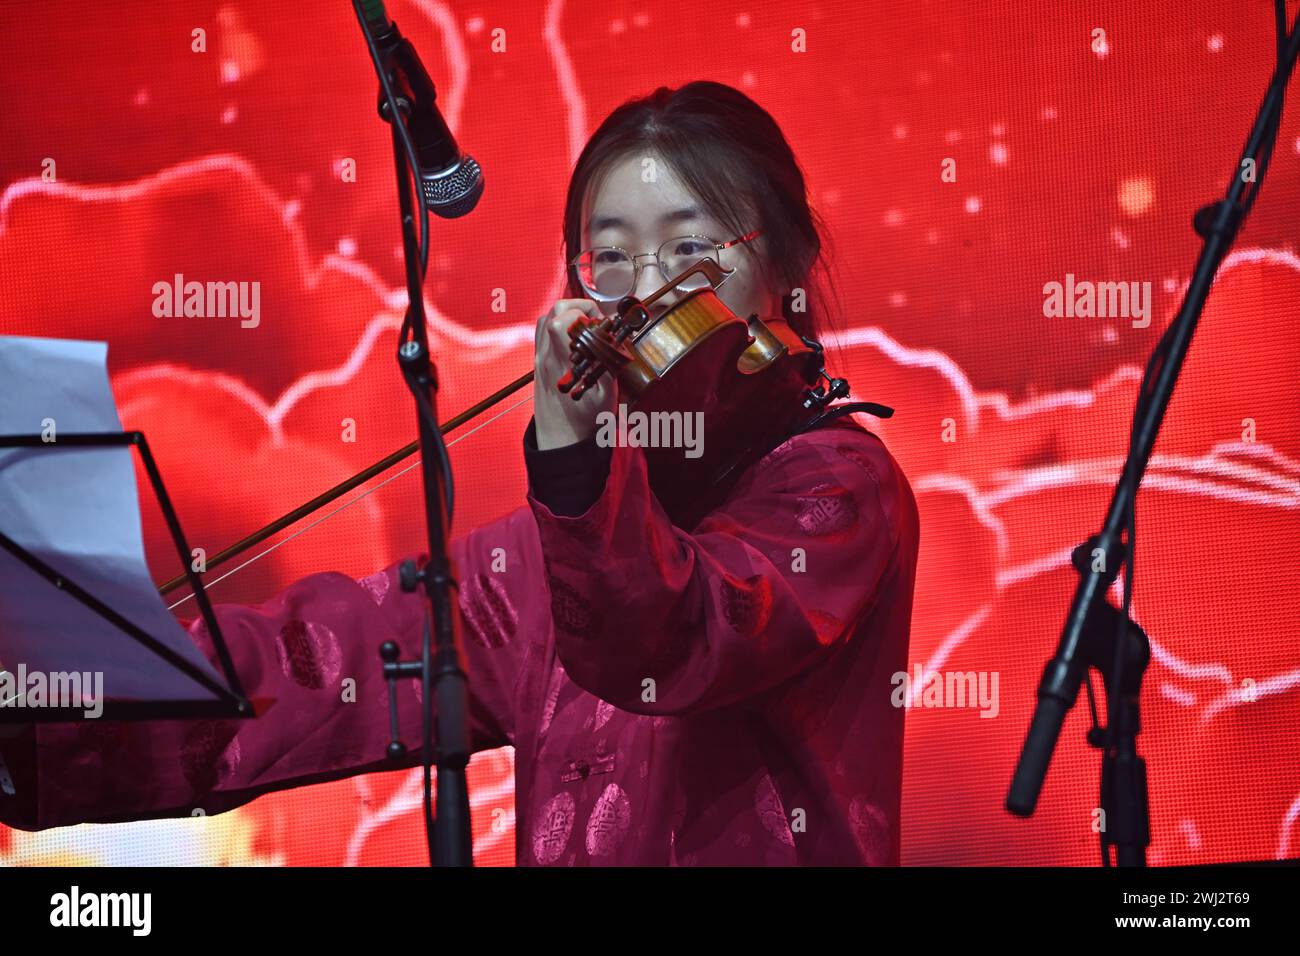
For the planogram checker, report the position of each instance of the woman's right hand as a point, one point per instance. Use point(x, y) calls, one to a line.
point(559, 419)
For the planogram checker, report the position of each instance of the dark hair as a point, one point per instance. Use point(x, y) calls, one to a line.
point(731, 154)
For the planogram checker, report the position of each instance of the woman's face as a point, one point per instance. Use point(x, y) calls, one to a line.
point(625, 210)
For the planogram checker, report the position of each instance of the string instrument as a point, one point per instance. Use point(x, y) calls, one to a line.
point(750, 383)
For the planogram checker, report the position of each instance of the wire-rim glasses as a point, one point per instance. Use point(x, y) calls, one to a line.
point(608, 273)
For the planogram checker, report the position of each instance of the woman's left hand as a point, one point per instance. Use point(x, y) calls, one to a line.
point(561, 420)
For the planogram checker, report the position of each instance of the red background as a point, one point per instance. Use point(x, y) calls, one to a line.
point(224, 165)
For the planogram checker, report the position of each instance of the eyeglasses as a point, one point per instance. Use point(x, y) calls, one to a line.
point(609, 273)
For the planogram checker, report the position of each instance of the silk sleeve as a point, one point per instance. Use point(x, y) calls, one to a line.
point(658, 620)
point(314, 649)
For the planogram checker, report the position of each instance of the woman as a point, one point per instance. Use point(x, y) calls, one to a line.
point(711, 694)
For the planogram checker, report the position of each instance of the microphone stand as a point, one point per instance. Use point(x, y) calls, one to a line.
point(1096, 631)
point(438, 668)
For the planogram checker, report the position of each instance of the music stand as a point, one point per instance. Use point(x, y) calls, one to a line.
point(229, 702)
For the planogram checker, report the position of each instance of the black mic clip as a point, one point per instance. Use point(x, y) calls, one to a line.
point(450, 181)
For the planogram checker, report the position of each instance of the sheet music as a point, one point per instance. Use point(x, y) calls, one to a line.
point(77, 510)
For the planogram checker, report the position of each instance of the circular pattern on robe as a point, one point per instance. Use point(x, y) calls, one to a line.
point(377, 585)
point(487, 608)
point(747, 604)
point(861, 459)
point(767, 804)
point(604, 711)
point(779, 452)
point(552, 698)
point(572, 612)
point(870, 829)
point(553, 827)
point(609, 821)
point(827, 510)
point(827, 627)
point(209, 754)
point(309, 654)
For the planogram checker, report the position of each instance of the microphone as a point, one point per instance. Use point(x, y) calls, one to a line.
point(450, 180)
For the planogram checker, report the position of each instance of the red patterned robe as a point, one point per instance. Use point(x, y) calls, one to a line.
point(714, 696)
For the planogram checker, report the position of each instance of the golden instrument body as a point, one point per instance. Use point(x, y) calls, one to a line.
point(745, 380)
point(749, 380)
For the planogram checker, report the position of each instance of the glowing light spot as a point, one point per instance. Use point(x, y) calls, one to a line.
point(291, 210)
point(893, 217)
point(1214, 43)
point(932, 237)
point(1049, 113)
point(230, 114)
point(747, 79)
point(1136, 194)
point(973, 204)
point(998, 129)
point(347, 246)
point(1109, 335)
point(998, 154)
point(473, 24)
point(952, 136)
point(900, 131)
point(617, 26)
point(832, 197)
point(1170, 285)
point(1120, 237)
point(141, 97)
point(742, 20)
point(240, 52)
point(898, 299)
point(641, 20)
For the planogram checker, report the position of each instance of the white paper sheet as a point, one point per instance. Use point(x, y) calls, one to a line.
point(76, 509)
